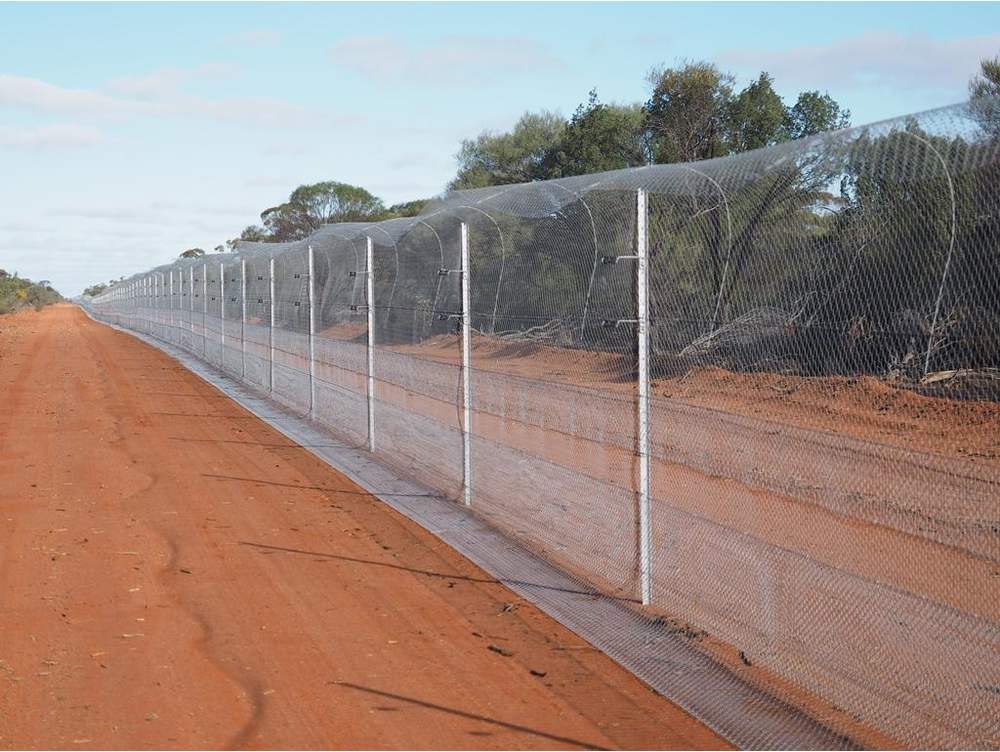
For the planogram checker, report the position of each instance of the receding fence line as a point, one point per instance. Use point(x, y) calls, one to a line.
point(682, 373)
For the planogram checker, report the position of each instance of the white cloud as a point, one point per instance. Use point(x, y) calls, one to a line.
point(265, 181)
point(167, 81)
point(159, 94)
point(244, 110)
point(448, 60)
point(285, 149)
point(158, 214)
point(413, 159)
point(47, 137)
point(142, 216)
point(881, 58)
point(255, 38)
point(40, 96)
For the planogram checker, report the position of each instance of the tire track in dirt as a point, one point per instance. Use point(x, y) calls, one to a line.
point(203, 643)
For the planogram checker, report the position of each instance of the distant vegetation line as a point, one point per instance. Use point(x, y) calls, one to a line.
point(17, 293)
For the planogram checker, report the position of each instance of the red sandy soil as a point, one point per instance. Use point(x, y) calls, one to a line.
point(862, 407)
point(763, 526)
point(174, 573)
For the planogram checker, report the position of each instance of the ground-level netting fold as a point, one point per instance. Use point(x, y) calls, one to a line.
point(754, 400)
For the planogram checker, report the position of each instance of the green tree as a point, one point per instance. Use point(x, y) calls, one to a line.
point(312, 206)
point(504, 158)
point(984, 95)
point(599, 137)
point(250, 234)
point(693, 114)
point(407, 208)
point(756, 116)
point(193, 253)
point(687, 112)
point(19, 292)
point(815, 113)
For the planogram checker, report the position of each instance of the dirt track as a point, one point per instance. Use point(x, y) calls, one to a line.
point(173, 573)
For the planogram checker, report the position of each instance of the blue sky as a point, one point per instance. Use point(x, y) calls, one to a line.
point(129, 132)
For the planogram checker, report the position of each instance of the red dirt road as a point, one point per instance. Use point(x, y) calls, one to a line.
point(174, 573)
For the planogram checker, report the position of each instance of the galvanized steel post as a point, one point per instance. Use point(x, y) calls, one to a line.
point(171, 304)
point(222, 315)
point(312, 333)
point(204, 310)
point(370, 294)
point(191, 294)
point(243, 319)
point(642, 274)
point(466, 370)
point(270, 378)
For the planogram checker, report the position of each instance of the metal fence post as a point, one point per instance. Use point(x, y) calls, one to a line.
point(204, 311)
point(370, 293)
point(191, 294)
point(466, 281)
point(270, 380)
point(642, 274)
point(243, 322)
point(312, 333)
point(222, 315)
point(171, 299)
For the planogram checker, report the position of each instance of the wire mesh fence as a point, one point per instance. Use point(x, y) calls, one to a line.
point(754, 398)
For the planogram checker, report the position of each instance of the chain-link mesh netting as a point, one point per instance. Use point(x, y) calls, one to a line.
point(341, 344)
point(756, 399)
point(213, 310)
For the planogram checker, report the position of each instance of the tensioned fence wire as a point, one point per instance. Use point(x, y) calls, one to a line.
point(753, 399)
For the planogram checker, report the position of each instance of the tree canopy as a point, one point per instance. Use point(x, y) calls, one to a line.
point(984, 95)
point(693, 112)
point(815, 113)
point(504, 158)
point(687, 112)
point(311, 206)
point(19, 292)
point(599, 137)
